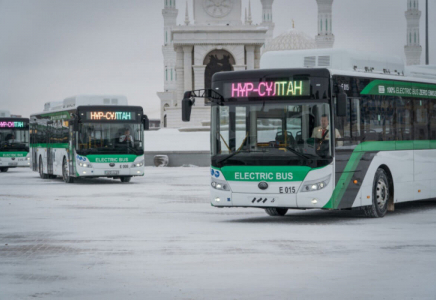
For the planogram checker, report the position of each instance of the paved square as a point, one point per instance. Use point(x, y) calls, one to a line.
point(158, 238)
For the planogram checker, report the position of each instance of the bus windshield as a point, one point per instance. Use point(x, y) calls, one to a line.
point(271, 134)
point(14, 139)
point(110, 138)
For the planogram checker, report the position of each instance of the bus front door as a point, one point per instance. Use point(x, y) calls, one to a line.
point(71, 149)
point(50, 154)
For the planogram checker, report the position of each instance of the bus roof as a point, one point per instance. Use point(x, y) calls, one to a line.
point(349, 63)
point(72, 103)
point(5, 113)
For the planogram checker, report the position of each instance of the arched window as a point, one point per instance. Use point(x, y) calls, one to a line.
point(321, 24)
point(415, 37)
point(166, 37)
point(171, 74)
point(410, 38)
point(216, 61)
point(166, 74)
point(326, 25)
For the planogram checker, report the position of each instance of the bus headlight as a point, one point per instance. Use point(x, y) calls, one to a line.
point(220, 186)
point(316, 185)
point(85, 165)
point(138, 164)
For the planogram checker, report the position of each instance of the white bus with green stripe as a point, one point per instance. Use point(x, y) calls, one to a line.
point(85, 137)
point(266, 143)
point(14, 141)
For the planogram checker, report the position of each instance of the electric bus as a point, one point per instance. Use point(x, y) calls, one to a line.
point(14, 141)
point(325, 129)
point(88, 137)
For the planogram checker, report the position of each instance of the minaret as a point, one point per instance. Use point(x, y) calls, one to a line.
point(170, 18)
point(325, 37)
point(413, 48)
point(267, 19)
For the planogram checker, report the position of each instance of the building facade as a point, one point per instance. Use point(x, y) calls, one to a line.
point(413, 49)
point(216, 40)
point(325, 37)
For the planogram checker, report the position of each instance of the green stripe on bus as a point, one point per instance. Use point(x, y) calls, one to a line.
point(357, 155)
point(13, 154)
point(55, 145)
point(400, 89)
point(344, 180)
point(265, 173)
point(114, 158)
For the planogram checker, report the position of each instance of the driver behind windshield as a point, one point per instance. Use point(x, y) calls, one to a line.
point(322, 132)
point(10, 137)
point(127, 138)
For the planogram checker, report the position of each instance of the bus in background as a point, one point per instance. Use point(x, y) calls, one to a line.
point(88, 137)
point(326, 129)
point(14, 141)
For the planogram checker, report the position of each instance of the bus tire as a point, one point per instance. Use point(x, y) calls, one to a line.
point(65, 172)
point(41, 169)
point(126, 178)
point(4, 169)
point(380, 195)
point(276, 212)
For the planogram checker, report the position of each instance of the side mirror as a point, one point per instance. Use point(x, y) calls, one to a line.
point(146, 122)
point(75, 124)
point(187, 107)
point(341, 104)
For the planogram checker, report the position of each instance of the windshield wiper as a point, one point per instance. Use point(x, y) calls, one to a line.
point(296, 152)
point(230, 156)
point(127, 147)
point(237, 152)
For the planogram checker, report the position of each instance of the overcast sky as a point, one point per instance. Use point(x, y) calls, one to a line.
point(53, 49)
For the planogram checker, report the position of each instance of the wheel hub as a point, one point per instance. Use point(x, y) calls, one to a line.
point(381, 193)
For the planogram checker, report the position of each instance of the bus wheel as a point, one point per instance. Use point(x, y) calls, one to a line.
point(380, 196)
point(276, 212)
point(4, 169)
point(41, 169)
point(126, 179)
point(65, 172)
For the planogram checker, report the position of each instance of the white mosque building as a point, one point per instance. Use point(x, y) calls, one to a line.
point(222, 37)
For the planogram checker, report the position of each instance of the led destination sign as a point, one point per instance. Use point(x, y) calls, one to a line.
point(283, 88)
point(111, 115)
point(12, 124)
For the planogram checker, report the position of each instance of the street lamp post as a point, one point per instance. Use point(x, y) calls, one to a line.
point(427, 59)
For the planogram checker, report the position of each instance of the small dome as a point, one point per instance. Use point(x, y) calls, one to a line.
point(291, 40)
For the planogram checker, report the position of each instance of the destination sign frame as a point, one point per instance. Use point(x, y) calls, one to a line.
point(13, 124)
point(112, 115)
point(267, 89)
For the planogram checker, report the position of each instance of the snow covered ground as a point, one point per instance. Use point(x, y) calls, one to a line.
point(167, 139)
point(158, 238)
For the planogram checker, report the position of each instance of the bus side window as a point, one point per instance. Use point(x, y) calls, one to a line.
point(420, 119)
point(349, 126)
point(432, 114)
point(404, 107)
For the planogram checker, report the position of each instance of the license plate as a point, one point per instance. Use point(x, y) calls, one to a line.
point(287, 190)
point(13, 164)
point(111, 172)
